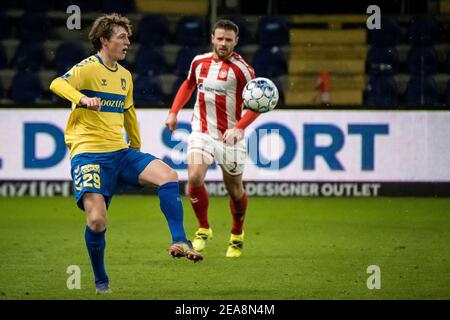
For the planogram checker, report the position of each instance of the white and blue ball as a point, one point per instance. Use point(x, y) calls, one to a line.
point(260, 95)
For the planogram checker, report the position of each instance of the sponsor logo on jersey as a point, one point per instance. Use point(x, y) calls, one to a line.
point(219, 91)
point(113, 103)
point(110, 102)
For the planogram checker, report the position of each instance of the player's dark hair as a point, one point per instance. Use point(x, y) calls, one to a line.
point(226, 25)
point(103, 27)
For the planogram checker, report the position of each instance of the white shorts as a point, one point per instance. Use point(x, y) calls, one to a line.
point(230, 157)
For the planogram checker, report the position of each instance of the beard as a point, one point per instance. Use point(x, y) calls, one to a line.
point(222, 53)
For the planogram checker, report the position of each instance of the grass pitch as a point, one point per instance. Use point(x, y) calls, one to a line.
point(295, 248)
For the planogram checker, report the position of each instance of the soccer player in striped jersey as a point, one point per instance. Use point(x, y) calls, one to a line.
point(217, 129)
point(101, 92)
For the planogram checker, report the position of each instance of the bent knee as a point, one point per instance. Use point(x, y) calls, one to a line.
point(96, 222)
point(169, 176)
point(195, 180)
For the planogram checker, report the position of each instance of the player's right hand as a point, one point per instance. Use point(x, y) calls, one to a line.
point(91, 103)
point(171, 122)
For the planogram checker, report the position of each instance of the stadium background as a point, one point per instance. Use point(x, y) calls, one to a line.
point(383, 132)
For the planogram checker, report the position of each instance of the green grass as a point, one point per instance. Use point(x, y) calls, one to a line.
point(313, 248)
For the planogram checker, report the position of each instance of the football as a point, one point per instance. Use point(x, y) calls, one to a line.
point(260, 95)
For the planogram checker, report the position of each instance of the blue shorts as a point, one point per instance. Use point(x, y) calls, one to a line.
point(108, 172)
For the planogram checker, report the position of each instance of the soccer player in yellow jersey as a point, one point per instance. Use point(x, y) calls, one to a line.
point(101, 92)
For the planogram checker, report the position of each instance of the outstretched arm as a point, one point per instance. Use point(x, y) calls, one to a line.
point(247, 119)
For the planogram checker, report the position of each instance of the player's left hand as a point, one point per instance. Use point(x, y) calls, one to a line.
point(232, 136)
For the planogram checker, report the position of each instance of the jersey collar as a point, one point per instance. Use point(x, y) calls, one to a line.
point(222, 60)
point(101, 61)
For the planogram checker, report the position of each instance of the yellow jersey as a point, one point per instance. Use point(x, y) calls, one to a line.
point(98, 131)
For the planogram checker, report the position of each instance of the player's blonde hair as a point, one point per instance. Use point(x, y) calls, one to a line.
point(103, 27)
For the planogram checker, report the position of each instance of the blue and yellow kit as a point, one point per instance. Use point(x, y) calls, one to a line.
point(101, 160)
point(92, 131)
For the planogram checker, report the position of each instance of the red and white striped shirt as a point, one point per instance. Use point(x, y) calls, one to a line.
point(219, 92)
